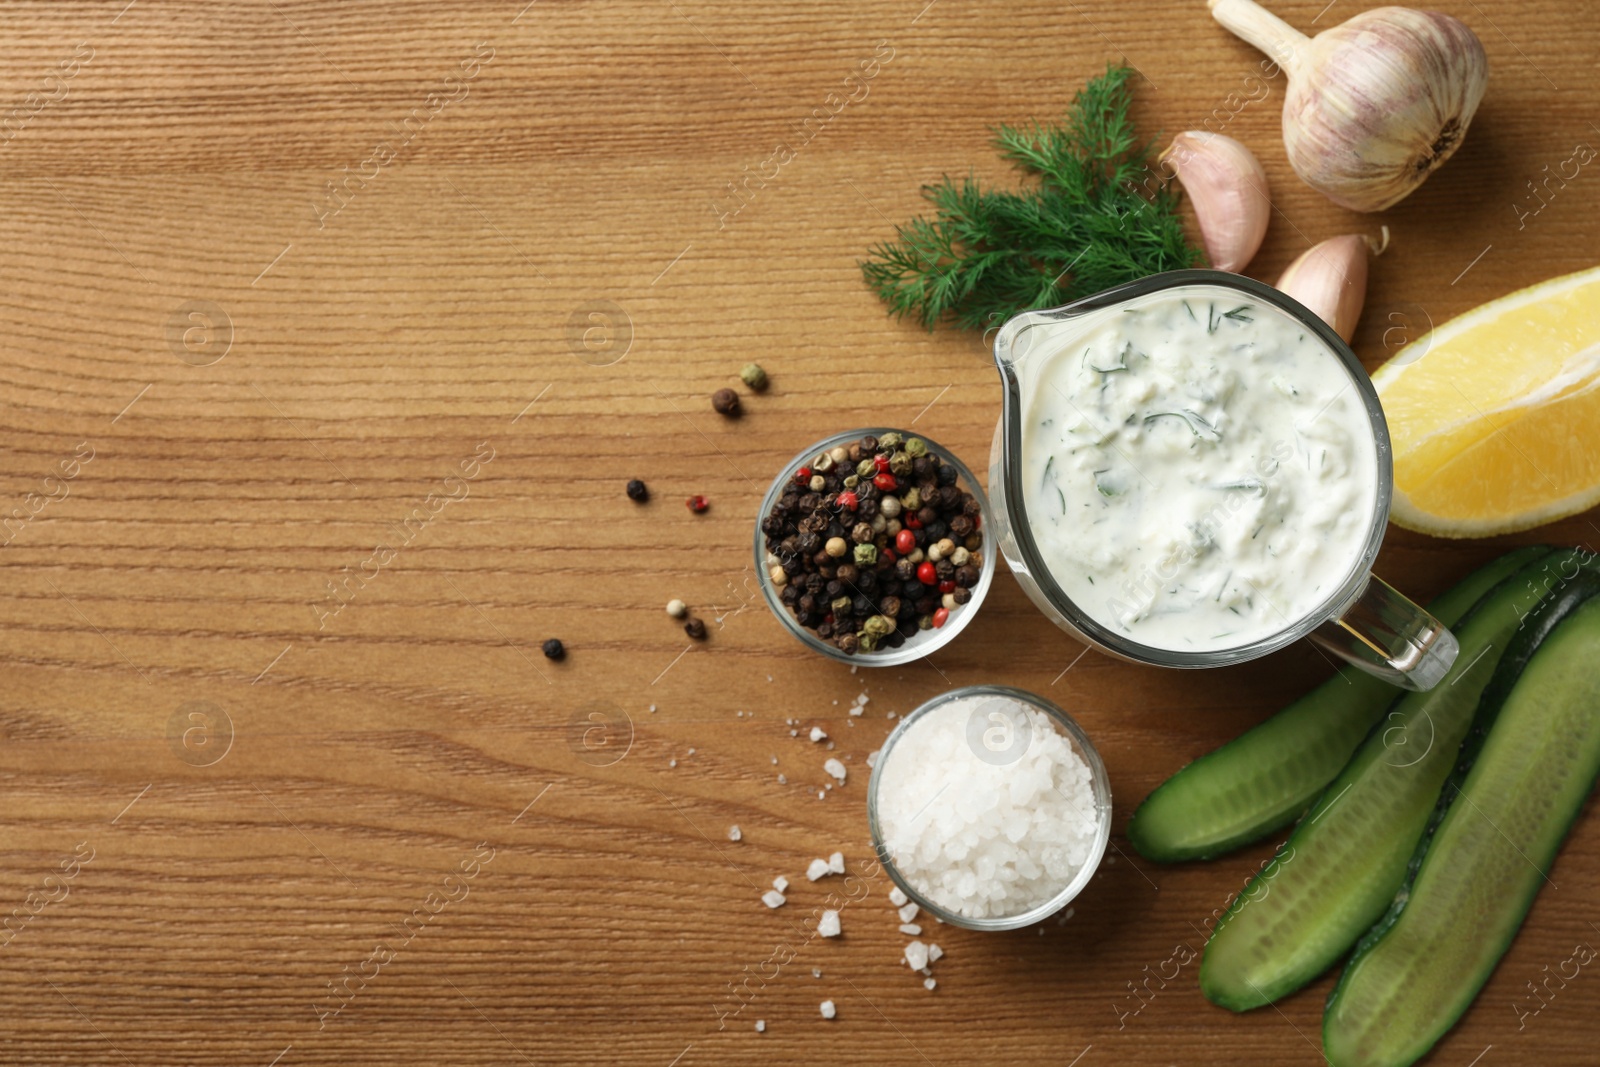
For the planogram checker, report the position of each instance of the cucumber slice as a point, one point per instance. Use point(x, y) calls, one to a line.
point(1261, 781)
point(1342, 864)
point(1500, 821)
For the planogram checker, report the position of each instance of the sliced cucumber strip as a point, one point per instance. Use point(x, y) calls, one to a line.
point(1342, 864)
point(1264, 779)
point(1501, 818)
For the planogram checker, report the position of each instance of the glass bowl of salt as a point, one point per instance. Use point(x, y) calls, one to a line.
point(990, 807)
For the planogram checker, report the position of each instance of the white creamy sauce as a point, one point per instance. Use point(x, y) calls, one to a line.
point(1199, 471)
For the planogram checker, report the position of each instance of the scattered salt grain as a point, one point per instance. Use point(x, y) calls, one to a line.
point(928, 984)
point(816, 972)
point(916, 955)
point(835, 768)
point(855, 709)
point(934, 952)
point(774, 761)
point(982, 838)
point(910, 928)
point(908, 912)
point(772, 898)
point(828, 1010)
point(822, 794)
point(794, 733)
point(872, 758)
point(672, 763)
point(761, 1024)
point(890, 715)
point(652, 707)
point(734, 833)
point(836, 863)
point(783, 779)
point(818, 734)
point(828, 925)
point(897, 896)
point(816, 869)
point(780, 883)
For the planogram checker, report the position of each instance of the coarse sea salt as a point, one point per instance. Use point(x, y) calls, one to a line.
point(734, 833)
point(978, 835)
point(780, 883)
point(817, 734)
point(828, 925)
point(897, 897)
point(836, 863)
point(772, 898)
point(816, 869)
point(828, 1011)
point(835, 768)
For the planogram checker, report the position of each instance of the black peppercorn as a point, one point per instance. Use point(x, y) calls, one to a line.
point(695, 629)
point(947, 475)
point(637, 490)
point(869, 445)
point(847, 643)
point(960, 527)
point(554, 649)
point(726, 401)
point(961, 594)
point(966, 577)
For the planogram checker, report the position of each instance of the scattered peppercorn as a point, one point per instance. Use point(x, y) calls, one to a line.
point(677, 608)
point(870, 543)
point(638, 491)
point(554, 649)
point(698, 503)
point(726, 401)
point(754, 376)
point(695, 629)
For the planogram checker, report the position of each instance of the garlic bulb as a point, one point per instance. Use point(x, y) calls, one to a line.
point(1228, 189)
point(1331, 279)
point(1374, 105)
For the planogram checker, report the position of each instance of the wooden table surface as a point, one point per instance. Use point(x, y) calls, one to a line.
point(333, 332)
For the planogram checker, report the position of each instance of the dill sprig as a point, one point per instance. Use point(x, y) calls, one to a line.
point(1097, 216)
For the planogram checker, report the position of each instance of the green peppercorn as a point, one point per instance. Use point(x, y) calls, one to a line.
point(913, 499)
point(890, 441)
point(916, 446)
point(866, 555)
point(878, 626)
point(754, 376)
point(900, 464)
point(840, 605)
point(866, 642)
point(866, 468)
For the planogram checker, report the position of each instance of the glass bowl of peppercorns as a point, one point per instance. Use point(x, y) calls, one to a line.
point(871, 546)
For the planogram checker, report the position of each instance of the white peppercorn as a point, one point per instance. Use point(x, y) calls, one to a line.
point(678, 609)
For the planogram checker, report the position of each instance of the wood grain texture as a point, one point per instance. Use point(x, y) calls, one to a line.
point(575, 158)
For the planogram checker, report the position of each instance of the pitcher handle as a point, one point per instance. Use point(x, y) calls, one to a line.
point(1387, 635)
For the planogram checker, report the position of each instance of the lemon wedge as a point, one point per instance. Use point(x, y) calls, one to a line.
point(1495, 416)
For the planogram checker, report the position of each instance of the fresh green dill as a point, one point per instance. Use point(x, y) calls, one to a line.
point(1097, 216)
point(1238, 314)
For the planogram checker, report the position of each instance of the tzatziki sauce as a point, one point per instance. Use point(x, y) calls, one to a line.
point(1199, 470)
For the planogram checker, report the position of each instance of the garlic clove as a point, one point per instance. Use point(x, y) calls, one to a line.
point(1228, 189)
point(1330, 279)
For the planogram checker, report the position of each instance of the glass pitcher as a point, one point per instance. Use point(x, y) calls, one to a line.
point(1362, 620)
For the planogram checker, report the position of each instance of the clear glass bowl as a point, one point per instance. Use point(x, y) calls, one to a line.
point(922, 642)
point(1098, 782)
